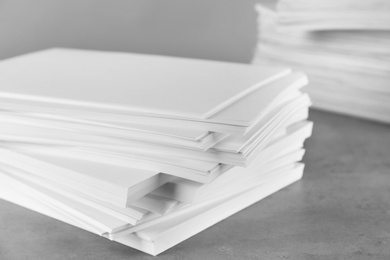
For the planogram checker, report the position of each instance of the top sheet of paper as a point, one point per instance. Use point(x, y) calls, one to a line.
point(132, 83)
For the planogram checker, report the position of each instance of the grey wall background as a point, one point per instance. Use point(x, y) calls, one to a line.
point(206, 29)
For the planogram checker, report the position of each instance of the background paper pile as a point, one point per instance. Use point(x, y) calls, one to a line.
point(343, 46)
point(146, 150)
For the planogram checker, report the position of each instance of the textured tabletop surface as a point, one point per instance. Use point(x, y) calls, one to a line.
point(339, 210)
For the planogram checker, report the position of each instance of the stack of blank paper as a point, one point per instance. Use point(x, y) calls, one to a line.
point(146, 150)
point(334, 14)
point(343, 46)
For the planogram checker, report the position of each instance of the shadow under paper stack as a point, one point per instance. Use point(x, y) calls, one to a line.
point(343, 46)
point(146, 150)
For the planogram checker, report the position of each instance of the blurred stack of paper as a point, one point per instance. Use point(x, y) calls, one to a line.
point(334, 15)
point(146, 150)
point(349, 70)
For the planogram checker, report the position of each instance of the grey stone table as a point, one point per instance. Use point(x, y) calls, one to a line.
point(339, 210)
